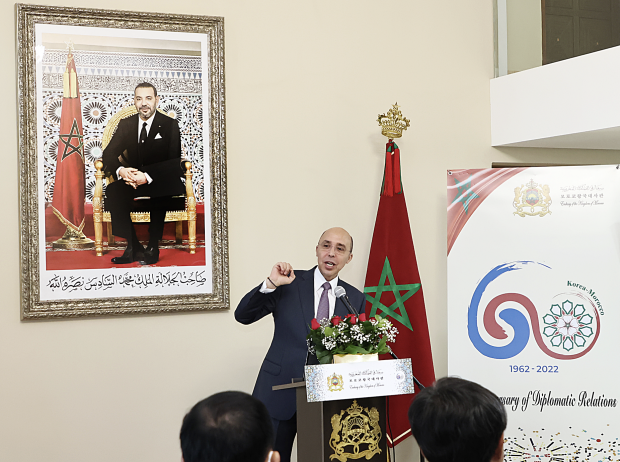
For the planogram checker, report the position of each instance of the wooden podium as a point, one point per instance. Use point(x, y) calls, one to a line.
point(341, 430)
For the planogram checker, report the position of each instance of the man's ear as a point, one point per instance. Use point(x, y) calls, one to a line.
point(275, 457)
point(498, 455)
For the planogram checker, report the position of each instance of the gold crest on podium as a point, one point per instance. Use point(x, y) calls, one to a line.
point(355, 435)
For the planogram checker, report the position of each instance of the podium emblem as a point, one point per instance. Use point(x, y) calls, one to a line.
point(335, 382)
point(355, 435)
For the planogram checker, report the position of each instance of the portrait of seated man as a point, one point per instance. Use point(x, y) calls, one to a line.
point(144, 157)
point(456, 420)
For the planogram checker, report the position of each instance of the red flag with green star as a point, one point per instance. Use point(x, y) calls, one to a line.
point(393, 290)
point(69, 188)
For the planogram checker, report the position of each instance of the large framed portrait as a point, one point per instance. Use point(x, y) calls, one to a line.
point(78, 70)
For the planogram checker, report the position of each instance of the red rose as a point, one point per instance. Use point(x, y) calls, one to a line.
point(314, 324)
point(336, 320)
point(362, 317)
point(352, 318)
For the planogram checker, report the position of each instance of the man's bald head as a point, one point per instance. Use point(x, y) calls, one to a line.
point(341, 230)
point(333, 251)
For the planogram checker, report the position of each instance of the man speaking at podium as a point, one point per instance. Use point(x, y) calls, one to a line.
point(294, 299)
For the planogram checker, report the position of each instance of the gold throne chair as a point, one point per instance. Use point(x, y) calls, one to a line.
point(186, 204)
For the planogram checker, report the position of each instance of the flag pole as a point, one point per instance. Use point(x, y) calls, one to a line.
point(73, 239)
point(393, 287)
point(69, 181)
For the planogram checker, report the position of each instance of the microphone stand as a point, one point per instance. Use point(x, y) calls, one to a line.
point(416, 381)
point(347, 303)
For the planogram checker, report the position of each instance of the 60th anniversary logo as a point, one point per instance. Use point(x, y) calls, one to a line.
point(566, 329)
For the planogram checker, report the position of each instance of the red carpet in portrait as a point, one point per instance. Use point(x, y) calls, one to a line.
point(170, 253)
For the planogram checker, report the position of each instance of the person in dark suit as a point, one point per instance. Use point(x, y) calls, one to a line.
point(144, 155)
point(294, 299)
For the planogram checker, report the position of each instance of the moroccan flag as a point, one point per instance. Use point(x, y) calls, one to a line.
point(69, 189)
point(393, 290)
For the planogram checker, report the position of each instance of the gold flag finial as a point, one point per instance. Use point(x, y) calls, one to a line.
point(69, 79)
point(393, 123)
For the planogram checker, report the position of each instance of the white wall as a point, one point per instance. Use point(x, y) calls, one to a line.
point(533, 108)
point(524, 19)
point(305, 82)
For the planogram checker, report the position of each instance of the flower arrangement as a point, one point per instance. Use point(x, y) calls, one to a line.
point(350, 335)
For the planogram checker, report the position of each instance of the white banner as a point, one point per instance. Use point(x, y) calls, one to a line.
point(328, 382)
point(533, 276)
point(125, 282)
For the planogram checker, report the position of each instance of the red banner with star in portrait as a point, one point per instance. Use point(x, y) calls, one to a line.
point(393, 289)
point(69, 188)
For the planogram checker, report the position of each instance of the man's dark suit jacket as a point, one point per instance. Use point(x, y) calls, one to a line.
point(160, 157)
point(292, 307)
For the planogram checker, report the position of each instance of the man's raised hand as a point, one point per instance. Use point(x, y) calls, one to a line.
point(281, 274)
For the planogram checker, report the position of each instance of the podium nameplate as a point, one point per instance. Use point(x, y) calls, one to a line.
point(328, 382)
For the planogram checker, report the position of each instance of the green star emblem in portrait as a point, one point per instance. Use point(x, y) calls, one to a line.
point(388, 284)
point(70, 148)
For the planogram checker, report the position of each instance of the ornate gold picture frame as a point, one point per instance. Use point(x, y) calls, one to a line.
point(66, 268)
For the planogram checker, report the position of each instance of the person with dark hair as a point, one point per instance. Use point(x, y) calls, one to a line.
point(147, 85)
point(456, 420)
point(144, 155)
point(294, 298)
point(231, 426)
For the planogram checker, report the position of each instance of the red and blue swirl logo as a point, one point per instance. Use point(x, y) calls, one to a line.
point(567, 329)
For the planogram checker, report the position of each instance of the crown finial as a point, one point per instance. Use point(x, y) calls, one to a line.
point(393, 123)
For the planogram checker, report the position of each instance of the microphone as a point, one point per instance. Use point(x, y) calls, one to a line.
point(341, 293)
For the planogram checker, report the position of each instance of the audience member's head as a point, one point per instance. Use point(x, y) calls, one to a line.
point(228, 427)
point(456, 420)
